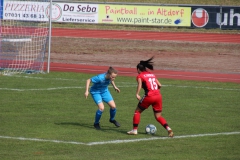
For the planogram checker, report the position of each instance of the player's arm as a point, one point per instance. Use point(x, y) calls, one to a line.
point(139, 80)
point(159, 84)
point(115, 87)
point(87, 87)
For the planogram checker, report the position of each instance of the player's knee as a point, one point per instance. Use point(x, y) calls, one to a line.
point(137, 112)
point(113, 107)
point(101, 109)
point(157, 114)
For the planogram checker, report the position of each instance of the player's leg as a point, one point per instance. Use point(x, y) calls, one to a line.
point(142, 105)
point(136, 121)
point(113, 112)
point(107, 97)
point(98, 115)
point(163, 122)
point(98, 100)
point(157, 109)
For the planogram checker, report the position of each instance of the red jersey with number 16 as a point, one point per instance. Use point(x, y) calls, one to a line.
point(149, 83)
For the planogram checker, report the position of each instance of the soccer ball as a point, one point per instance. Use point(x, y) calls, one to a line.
point(151, 129)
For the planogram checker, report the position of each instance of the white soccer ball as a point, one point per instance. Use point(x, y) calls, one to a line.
point(151, 129)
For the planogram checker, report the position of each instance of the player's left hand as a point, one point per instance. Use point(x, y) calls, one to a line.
point(138, 97)
point(117, 90)
point(86, 94)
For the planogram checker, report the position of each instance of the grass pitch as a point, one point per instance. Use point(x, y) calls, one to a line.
point(46, 116)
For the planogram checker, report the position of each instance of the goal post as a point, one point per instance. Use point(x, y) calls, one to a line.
point(25, 28)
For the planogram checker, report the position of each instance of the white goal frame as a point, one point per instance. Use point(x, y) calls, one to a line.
point(24, 35)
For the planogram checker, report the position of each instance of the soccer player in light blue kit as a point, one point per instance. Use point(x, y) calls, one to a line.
point(100, 93)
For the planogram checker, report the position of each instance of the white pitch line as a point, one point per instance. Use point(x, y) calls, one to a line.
point(124, 86)
point(214, 88)
point(42, 89)
point(160, 138)
point(41, 140)
point(131, 84)
point(56, 88)
point(119, 141)
point(179, 75)
point(44, 78)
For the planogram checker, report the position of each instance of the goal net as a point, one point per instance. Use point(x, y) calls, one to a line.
point(24, 26)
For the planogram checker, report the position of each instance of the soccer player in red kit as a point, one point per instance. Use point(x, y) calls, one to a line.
point(152, 96)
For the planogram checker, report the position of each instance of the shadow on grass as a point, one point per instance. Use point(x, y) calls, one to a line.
point(75, 124)
point(104, 128)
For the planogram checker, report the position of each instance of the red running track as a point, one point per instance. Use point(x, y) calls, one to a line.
point(147, 35)
point(137, 35)
point(181, 75)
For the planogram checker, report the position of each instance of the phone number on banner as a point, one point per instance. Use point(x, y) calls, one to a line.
point(26, 16)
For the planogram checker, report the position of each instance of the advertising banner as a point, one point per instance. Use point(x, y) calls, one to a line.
point(25, 10)
point(61, 12)
point(75, 13)
point(216, 17)
point(144, 15)
point(224, 17)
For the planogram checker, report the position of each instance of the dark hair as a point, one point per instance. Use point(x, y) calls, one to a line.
point(145, 64)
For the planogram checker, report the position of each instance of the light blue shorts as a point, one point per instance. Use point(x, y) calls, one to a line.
point(102, 97)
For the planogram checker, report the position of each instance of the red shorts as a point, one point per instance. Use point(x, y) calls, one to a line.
point(155, 101)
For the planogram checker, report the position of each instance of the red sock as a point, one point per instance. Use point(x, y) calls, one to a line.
point(136, 119)
point(162, 121)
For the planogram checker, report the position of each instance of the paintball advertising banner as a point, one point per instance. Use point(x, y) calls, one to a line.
point(145, 15)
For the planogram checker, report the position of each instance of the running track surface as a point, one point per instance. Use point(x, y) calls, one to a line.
point(140, 35)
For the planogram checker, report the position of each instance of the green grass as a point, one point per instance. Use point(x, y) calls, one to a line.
point(53, 107)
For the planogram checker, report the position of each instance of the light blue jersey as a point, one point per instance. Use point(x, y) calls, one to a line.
point(100, 83)
point(99, 89)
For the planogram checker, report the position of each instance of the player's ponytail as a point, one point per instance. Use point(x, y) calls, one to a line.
point(145, 64)
point(112, 70)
